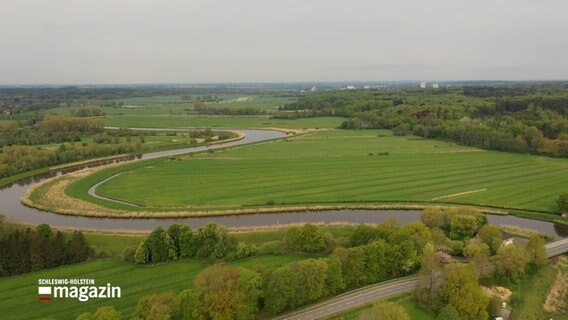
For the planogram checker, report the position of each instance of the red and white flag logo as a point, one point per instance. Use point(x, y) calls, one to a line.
point(44, 293)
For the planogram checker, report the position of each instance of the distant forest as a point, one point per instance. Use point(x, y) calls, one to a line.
point(25, 99)
point(523, 119)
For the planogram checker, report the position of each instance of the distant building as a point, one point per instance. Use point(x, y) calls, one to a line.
point(313, 89)
point(367, 87)
point(423, 85)
point(435, 85)
point(350, 87)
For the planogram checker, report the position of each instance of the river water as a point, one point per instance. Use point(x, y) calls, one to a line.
point(12, 208)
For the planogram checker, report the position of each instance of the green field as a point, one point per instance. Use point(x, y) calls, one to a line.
point(20, 292)
point(113, 244)
point(415, 312)
point(174, 105)
point(153, 100)
point(167, 121)
point(333, 167)
point(263, 102)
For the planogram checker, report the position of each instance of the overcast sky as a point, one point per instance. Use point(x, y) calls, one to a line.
point(143, 41)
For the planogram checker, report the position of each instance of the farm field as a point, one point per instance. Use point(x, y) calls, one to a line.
point(19, 292)
point(331, 167)
point(174, 105)
point(263, 101)
point(167, 121)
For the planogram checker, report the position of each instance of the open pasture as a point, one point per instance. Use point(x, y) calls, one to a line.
point(175, 105)
point(172, 121)
point(338, 167)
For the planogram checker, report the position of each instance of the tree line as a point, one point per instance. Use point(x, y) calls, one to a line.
point(534, 122)
point(19, 159)
point(50, 129)
point(213, 242)
point(225, 292)
point(202, 108)
point(368, 255)
point(210, 242)
point(25, 249)
point(87, 112)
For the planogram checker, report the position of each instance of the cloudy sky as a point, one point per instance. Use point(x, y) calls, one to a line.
point(152, 41)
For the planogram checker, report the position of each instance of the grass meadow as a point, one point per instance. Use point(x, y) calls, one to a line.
point(173, 121)
point(20, 292)
point(174, 105)
point(332, 167)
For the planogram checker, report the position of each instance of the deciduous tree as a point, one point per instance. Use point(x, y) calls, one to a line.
point(280, 289)
point(222, 298)
point(562, 202)
point(448, 313)
point(385, 311)
point(491, 236)
point(536, 251)
point(463, 227)
point(461, 289)
point(160, 306)
point(510, 261)
point(190, 305)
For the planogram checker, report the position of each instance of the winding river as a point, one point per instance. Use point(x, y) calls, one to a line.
point(11, 207)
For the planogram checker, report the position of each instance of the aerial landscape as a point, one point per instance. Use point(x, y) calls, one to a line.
point(288, 163)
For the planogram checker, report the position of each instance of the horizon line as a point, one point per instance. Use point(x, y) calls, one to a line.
point(276, 82)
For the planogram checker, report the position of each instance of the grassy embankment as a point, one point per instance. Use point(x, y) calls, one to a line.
point(336, 169)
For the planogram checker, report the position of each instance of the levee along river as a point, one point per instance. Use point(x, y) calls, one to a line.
point(12, 208)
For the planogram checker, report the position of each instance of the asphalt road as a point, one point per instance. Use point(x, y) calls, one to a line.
point(354, 299)
point(383, 290)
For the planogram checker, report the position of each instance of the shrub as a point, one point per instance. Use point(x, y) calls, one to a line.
point(562, 202)
point(101, 254)
point(127, 254)
point(271, 247)
point(246, 250)
point(494, 307)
